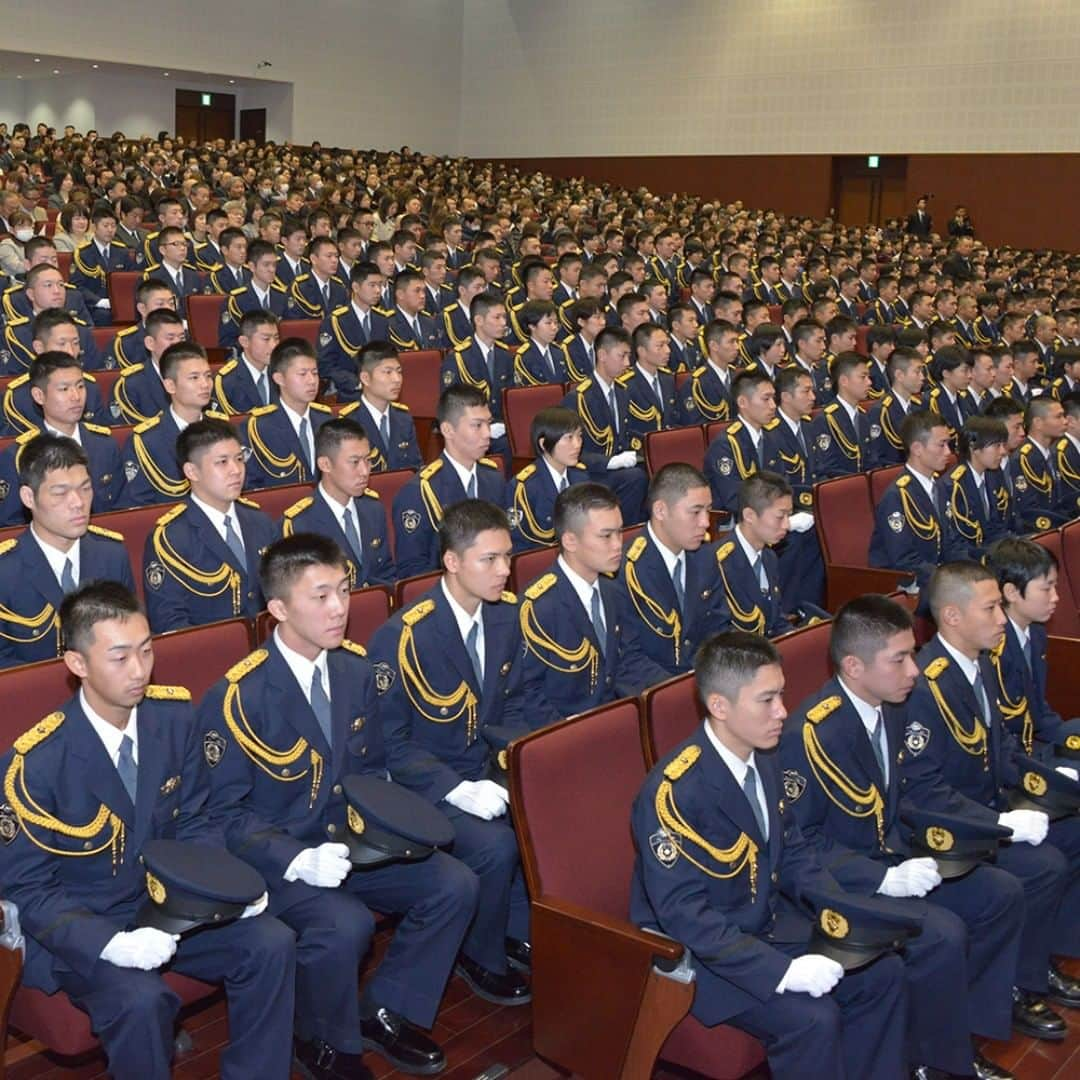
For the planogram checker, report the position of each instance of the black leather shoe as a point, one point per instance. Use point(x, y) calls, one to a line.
point(985, 1069)
point(1031, 1016)
point(519, 954)
point(1063, 989)
point(317, 1060)
point(404, 1045)
point(509, 989)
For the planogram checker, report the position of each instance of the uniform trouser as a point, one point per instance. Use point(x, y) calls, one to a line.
point(629, 486)
point(489, 849)
point(857, 1032)
point(133, 1012)
point(802, 571)
point(1065, 836)
point(334, 927)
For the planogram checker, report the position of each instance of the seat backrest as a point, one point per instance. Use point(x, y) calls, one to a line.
point(421, 385)
point(121, 433)
point(805, 656)
point(135, 526)
point(122, 285)
point(106, 380)
point(675, 444)
point(714, 428)
point(527, 566)
point(579, 849)
point(368, 610)
point(1064, 545)
point(669, 713)
point(274, 501)
point(844, 519)
point(30, 692)
point(406, 590)
point(197, 657)
point(63, 263)
point(881, 479)
point(861, 346)
point(204, 319)
point(103, 338)
point(388, 484)
point(520, 406)
point(308, 329)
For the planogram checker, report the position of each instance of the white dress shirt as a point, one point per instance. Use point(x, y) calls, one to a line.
point(304, 669)
point(217, 518)
point(738, 769)
point(465, 623)
point(56, 558)
point(868, 714)
point(111, 736)
point(464, 475)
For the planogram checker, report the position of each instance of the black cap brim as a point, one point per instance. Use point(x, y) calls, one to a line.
point(850, 958)
point(150, 915)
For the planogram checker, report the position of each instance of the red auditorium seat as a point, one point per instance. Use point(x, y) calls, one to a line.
point(776, 313)
point(204, 322)
point(675, 444)
point(406, 590)
point(135, 526)
point(714, 428)
point(103, 337)
point(199, 656)
point(121, 433)
point(308, 329)
point(681, 379)
point(860, 340)
point(880, 480)
point(520, 406)
point(805, 656)
point(368, 610)
point(420, 390)
point(388, 484)
point(611, 1012)
point(63, 263)
point(122, 285)
point(274, 501)
point(1064, 545)
point(844, 519)
point(527, 566)
point(106, 380)
point(671, 711)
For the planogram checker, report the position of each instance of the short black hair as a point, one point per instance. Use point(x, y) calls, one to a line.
point(863, 626)
point(466, 520)
point(48, 320)
point(917, 426)
point(373, 354)
point(979, 432)
point(286, 559)
point(726, 662)
point(673, 482)
point(175, 355)
point(95, 602)
point(573, 504)
point(760, 490)
point(532, 312)
point(45, 453)
point(201, 435)
point(1018, 561)
point(285, 352)
point(253, 319)
point(333, 433)
point(46, 364)
point(453, 402)
point(550, 425)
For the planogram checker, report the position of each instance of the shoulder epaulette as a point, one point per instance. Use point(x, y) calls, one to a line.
point(318, 406)
point(540, 586)
point(677, 768)
point(251, 504)
point(936, 667)
point(636, 548)
point(298, 507)
point(488, 462)
point(724, 550)
point(1026, 448)
point(27, 436)
point(168, 693)
point(343, 310)
point(832, 407)
point(300, 277)
point(580, 465)
point(97, 429)
point(824, 708)
point(246, 666)
point(735, 428)
point(626, 377)
point(526, 472)
point(699, 371)
point(238, 290)
point(277, 285)
point(523, 348)
point(417, 612)
point(146, 425)
point(398, 405)
point(958, 472)
point(261, 410)
point(903, 481)
point(429, 470)
point(19, 380)
point(508, 597)
point(353, 647)
point(97, 530)
point(211, 415)
point(504, 345)
point(8, 545)
point(227, 367)
point(371, 493)
point(584, 385)
point(349, 409)
point(773, 424)
point(38, 733)
point(386, 313)
point(171, 515)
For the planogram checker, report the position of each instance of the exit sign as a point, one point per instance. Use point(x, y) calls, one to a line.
point(207, 99)
point(872, 160)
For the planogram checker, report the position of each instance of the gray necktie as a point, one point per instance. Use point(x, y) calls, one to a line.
point(305, 446)
point(233, 542)
point(320, 706)
point(762, 577)
point(326, 295)
point(105, 256)
point(67, 578)
point(414, 322)
point(266, 302)
point(384, 429)
point(471, 489)
point(749, 786)
point(800, 438)
point(980, 696)
point(489, 363)
point(761, 452)
point(353, 537)
point(474, 652)
point(551, 365)
point(591, 355)
point(1027, 654)
point(564, 483)
point(365, 326)
point(264, 393)
point(596, 612)
point(126, 767)
point(985, 495)
point(614, 411)
point(678, 583)
point(877, 742)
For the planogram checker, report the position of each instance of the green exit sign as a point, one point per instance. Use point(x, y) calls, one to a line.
point(207, 99)
point(872, 160)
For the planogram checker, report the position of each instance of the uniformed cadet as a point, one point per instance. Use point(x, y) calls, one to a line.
point(201, 560)
point(906, 373)
point(581, 647)
point(880, 345)
point(1041, 500)
point(262, 292)
point(842, 431)
point(650, 384)
point(746, 446)
point(485, 363)
point(438, 295)
point(16, 302)
point(723, 868)
point(1027, 574)
point(139, 394)
point(808, 339)
point(960, 757)
point(115, 768)
point(1067, 453)
point(537, 283)
point(1067, 360)
point(706, 395)
point(1021, 388)
point(282, 436)
point(58, 389)
point(58, 550)
point(53, 332)
point(457, 324)
point(170, 214)
point(129, 346)
point(343, 507)
point(764, 349)
point(207, 253)
point(461, 472)
point(347, 329)
point(683, 339)
point(840, 752)
point(318, 291)
point(610, 449)
point(986, 329)
point(882, 310)
point(914, 528)
point(446, 667)
point(555, 436)
point(45, 291)
point(409, 328)
point(978, 498)
point(587, 319)
point(231, 273)
point(152, 472)
point(280, 734)
point(244, 383)
point(1011, 414)
point(183, 278)
point(292, 262)
point(670, 579)
point(92, 263)
point(950, 399)
point(541, 359)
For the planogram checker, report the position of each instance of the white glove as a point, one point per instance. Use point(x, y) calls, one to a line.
point(626, 460)
point(913, 877)
point(1028, 826)
point(498, 430)
point(325, 866)
point(145, 948)
point(801, 522)
point(256, 908)
point(481, 798)
point(1070, 772)
point(106, 303)
point(811, 974)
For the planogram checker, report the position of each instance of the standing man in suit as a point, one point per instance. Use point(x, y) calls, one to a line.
point(722, 866)
point(920, 223)
point(122, 755)
point(201, 560)
point(58, 550)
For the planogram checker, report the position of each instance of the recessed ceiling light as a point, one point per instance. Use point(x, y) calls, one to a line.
point(18, 76)
point(232, 81)
point(56, 71)
point(165, 73)
point(95, 66)
point(37, 59)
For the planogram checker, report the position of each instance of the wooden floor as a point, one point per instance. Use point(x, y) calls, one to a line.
point(478, 1037)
